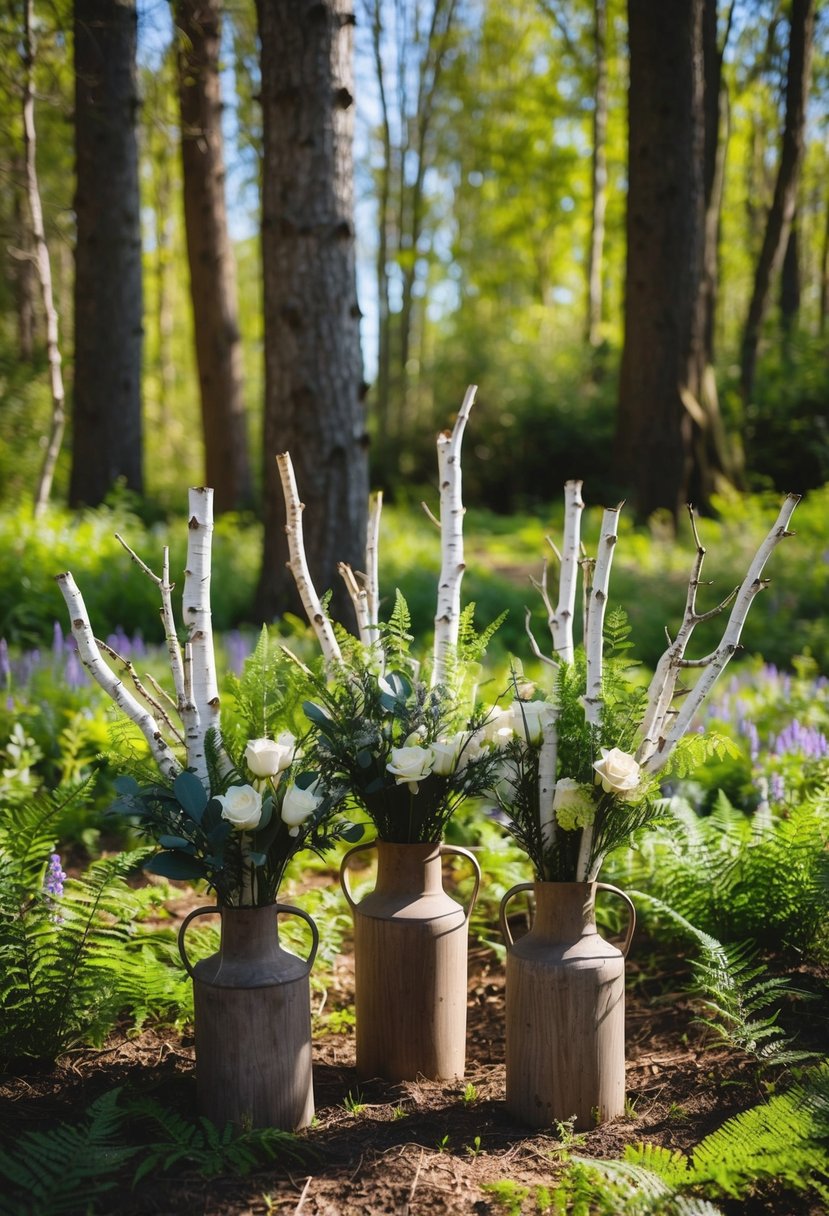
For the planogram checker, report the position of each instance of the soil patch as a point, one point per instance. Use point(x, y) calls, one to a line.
point(425, 1148)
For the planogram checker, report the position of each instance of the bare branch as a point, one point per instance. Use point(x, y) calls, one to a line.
point(447, 615)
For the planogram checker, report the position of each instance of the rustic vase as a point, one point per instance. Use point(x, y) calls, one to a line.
point(565, 1009)
point(253, 1022)
point(410, 961)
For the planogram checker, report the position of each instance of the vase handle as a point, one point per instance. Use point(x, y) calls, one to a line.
point(605, 886)
point(188, 966)
point(358, 848)
point(446, 849)
point(506, 932)
point(315, 936)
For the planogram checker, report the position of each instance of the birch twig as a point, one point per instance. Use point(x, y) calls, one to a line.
point(714, 663)
point(562, 620)
point(447, 617)
point(547, 758)
point(298, 564)
point(359, 600)
point(204, 687)
point(93, 661)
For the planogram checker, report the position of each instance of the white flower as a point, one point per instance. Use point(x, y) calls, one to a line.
point(573, 804)
point(298, 804)
point(241, 807)
point(447, 753)
point(267, 757)
point(529, 719)
point(497, 727)
point(618, 771)
point(410, 765)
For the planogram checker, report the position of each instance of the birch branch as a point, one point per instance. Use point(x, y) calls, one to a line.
point(547, 759)
point(447, 616)
point(44, 274)
point(534, 646)
point(562, 621)
point(597, 605)
point(165, 588)
point(715, 663)
point(359, 599)
point(204, 689)
point(594, 641)
point(375, 510)
point(298, 564)
point(662, 689)
point(142, 691)
point(92, 660)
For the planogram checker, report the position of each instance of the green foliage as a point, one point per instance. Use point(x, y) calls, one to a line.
point(70, 959)
point(70, 1167)
point(779, 1144)
point(740, 877)
point(54, 1172)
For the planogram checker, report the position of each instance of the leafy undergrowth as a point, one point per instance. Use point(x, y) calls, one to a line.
point(131, 1142)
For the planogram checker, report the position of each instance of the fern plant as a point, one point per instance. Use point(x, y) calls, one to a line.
point(69, 962)
point(781, 1143)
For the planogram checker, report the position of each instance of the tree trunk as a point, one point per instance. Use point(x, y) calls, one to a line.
point(25, 276)
point(712, 462)
point(313, 373)
point(107, 437)
point(790, 285)
point(598, 177)
point(781, 214)
point(664, 250)
point(210, 255)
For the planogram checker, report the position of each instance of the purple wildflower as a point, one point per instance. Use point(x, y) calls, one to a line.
point(55, 877)
point(777, 788)
point(5, 665)
point(796, 739)
point(57, 641)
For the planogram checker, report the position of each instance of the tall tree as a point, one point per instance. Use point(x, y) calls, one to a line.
point(107, 435)
point(664, 250)
point(781, 213)
point(210, 254)
point(313, 369)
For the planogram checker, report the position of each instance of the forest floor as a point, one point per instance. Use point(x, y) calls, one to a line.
point(425, 1148)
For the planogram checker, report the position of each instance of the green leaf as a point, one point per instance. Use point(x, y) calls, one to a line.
point(352, 832)
point(191, 795)
point(176, 842)
point(396, 686)
point(315, 713)
point(127, 785)
point(175, 865)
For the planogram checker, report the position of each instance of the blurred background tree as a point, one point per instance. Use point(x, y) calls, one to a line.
point(494, 161)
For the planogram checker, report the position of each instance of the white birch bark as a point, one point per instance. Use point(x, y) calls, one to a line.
point(547, 758)
point(597, 606)
point(93, 661)
point(562, 620)
point(594, 642)
point(204, 689)
point(713, 664)
point(298, 564)
point(447, 616)
point(375, 510)
point(359, 601)
point(44, 274)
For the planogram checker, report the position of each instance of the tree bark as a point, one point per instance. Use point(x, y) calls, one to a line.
point(790, 285)
point(781, 214)
point(313, 369)
point(210, 255)
point(107, 434)
point(664, 250)
point(598, 177)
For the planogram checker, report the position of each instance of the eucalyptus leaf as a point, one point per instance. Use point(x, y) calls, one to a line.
point(127, 785)
point(352, 832)
point(176, 842)
point(175, 865)
point(191, 795)
point(316, 713)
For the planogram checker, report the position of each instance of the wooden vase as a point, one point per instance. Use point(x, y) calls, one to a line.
point(253, 1022)
point(410, 962)
point(565, 1010)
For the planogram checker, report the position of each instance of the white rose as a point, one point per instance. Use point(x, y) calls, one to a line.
point(241, 807)
point(267, 757)
point(447, 753)
point(410, 765)
point(529, 719)
point(618, 771)
point(573, 804)
point(298, 804)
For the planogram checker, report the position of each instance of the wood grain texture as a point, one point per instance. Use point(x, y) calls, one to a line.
point(410, 951)
point(565, 1021)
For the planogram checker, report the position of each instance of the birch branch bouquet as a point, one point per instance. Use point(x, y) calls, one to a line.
point(231, 815)
point(406, 749)
point(581, 768)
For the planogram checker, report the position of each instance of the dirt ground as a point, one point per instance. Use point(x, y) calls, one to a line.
point(418, 1149)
